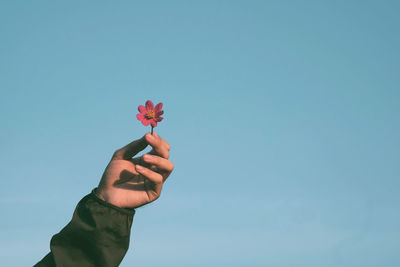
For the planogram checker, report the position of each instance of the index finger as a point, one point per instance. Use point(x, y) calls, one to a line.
point(159, 145)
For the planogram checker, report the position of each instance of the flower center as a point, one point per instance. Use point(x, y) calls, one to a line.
point(150, 114)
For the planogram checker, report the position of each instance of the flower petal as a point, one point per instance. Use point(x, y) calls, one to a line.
point(142, 109)
point(154, 123)
point(158, 107)
point(159, 113)
point(157, 119)
point(145, 122)
point(149, 105)
point(140, 116)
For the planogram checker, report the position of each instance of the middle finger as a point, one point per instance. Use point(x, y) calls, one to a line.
point(160, 163)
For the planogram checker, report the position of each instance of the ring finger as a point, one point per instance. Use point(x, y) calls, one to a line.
point(162, 164)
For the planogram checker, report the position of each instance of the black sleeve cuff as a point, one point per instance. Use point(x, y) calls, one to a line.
point(98, 235)
point(109, 205)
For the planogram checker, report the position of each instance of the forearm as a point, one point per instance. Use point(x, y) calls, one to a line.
point(98, 235)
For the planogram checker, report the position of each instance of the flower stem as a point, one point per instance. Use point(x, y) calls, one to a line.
point(151, 129)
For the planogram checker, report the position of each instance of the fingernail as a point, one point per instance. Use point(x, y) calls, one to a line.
point(151, 137)
point(146, 157)
point(139, 168)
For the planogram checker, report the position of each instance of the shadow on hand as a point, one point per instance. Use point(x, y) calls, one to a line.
point(130, 181)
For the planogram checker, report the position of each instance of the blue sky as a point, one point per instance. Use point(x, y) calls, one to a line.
point(283, 117)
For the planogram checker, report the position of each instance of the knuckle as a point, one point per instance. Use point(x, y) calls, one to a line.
point(159, 141)
point(116, 153)
point(158, 179)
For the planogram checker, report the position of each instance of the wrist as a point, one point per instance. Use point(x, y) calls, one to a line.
point(99, 197)
point(99, 194)
point(104, 196)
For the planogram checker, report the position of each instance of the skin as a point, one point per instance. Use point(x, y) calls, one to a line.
point(130, 182)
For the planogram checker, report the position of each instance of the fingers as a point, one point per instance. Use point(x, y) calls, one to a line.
point(131, 149)
point(165, 143)
point(162, 165)
point(154, 177)
point(160, 146)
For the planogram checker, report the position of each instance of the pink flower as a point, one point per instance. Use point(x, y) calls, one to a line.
point(150, 114)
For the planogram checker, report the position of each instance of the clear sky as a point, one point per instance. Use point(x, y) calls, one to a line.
point(283, 117)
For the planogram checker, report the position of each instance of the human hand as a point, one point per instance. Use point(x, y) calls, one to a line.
point(133, 182)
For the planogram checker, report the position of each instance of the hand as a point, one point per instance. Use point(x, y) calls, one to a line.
point(133, 182)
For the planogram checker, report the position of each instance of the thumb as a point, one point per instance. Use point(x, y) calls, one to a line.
point(131, 149)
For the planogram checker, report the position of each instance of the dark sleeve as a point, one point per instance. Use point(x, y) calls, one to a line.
point(97, 235)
